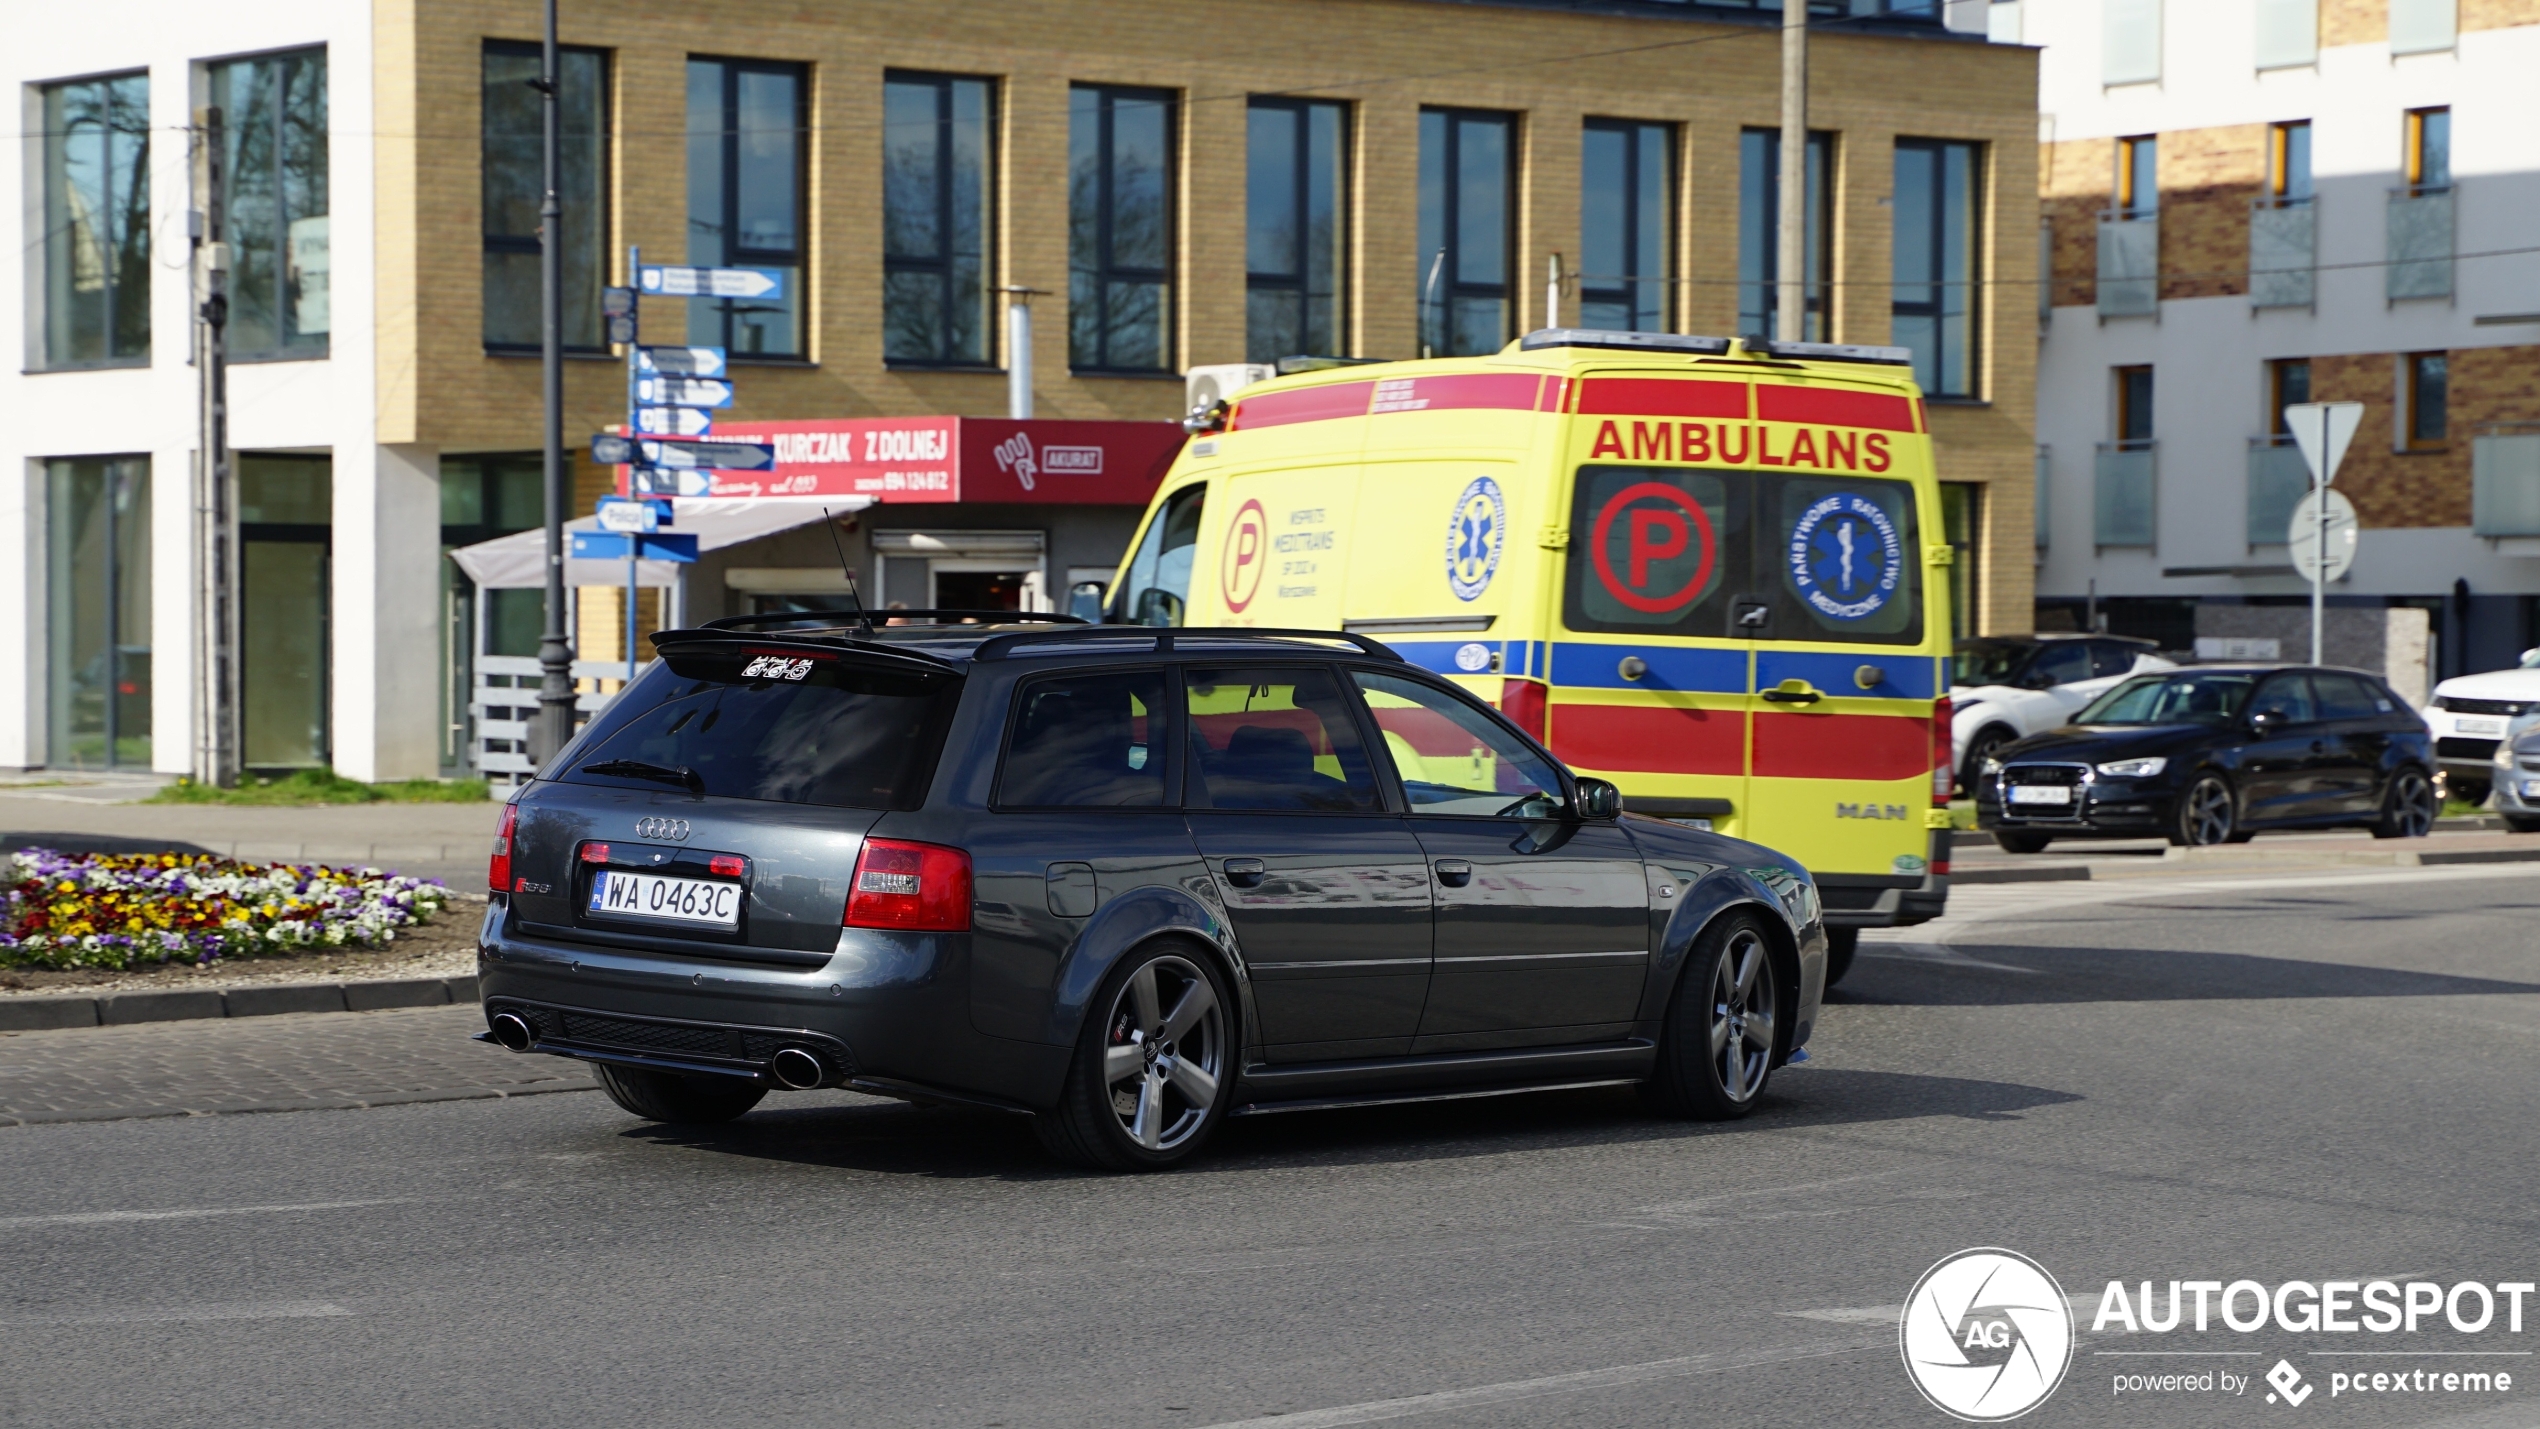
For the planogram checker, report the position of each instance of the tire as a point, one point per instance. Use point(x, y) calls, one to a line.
point(1841, 944)
point(1154, 1069)
point(668, 1096)
point(2207, 814)
point(2021, 841)
point(1979, 749)
point(2408, 806)
point(1729, 987)
point(2522, 823)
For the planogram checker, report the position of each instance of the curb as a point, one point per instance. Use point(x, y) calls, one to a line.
point(42, 1014)
point(2024, 873)
point(318, 1103)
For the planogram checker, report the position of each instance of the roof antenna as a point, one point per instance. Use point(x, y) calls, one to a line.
point(843, 568)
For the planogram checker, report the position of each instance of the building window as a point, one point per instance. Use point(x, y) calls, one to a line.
point(285, 524)
point(97, 611)
point(2134, 408)
point(1759, 209)
point(1627, 203)
point(97, 222)
point(1296, 229)
point(2425, 401)
point(514, 187)
point(1962, 520)
point(2288, 33)
point(2139, 177)
point(1468, 173)
point(2289, 163)
point(273, 127)
point(938, 208)
point(746, 124)
point(1119, 229)
point(1937, 234)
point(2429, 150)
point(2130, 41)
point(2288, 385)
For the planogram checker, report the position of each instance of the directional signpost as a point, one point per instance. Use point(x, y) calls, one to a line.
point(680, 361)
point(673, 422)
point(671, 282)
point(2322, 548)
point(665, 391)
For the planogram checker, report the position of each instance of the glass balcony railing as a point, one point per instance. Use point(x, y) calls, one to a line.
point(2278, 480)
point(2129, 265)
point(2124, 492)
point(2283, 250)
point(2504, 480)
point(2420, 243)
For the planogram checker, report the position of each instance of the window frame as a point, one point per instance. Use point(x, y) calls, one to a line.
point(1816, 293)
point(290, 345)
point(2412, 387)
point(943, 263)
point(41, 331)
point(602, 201)
point(1106, 270)
point(2278, 368)
point(1451, 232)
point(1301, 281)
point(2281, 148)
point(1389, 776)
point(2123, 407)
point(1175, 751)
point(2134, 153)
point(1979, 156)
point(1634, 132)
point(727, 216)
point(2425, 139)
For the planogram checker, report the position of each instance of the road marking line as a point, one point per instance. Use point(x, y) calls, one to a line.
point(1442, 1402)
point(100, 1218)
point(266, 1310)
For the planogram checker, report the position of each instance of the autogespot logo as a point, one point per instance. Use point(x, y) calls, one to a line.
point(1986, 1335)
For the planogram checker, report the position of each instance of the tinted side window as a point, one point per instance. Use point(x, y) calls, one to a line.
point(1157, 586)
point(1453, 758)
point(1264, 738)
point(2108, 659)
point(1087, 741)
point(2346, 697)
point(2061, 663)
point(2287, 695)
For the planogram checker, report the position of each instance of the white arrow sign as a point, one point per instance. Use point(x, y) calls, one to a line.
point(672, 422)
point(2319, 560)
point(710, 282)
point(708, 456)
point(680, 361)
point(683, 392)
point(2322, 430)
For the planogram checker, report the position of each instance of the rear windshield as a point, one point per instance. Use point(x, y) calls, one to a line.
point(2171, 699)
point(1990, 662)
point(786, 726)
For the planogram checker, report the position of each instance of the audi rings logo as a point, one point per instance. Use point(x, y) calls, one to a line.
point(1986, 1335)
point(670, 830)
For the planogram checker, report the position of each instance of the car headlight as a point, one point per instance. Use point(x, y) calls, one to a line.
point(2143, 768)
point(2504, 757)
point(1992, 767)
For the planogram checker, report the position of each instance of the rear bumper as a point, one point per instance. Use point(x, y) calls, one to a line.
point(2107, 811)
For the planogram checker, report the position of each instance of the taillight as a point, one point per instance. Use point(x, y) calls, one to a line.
point(595, 853)
point(1527, 702)
point(498, 869)
point(914, 887)
point(1944, 772)
point(725, 865)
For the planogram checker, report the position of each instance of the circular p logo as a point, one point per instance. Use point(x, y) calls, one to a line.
point(1246, 555)
point(1986, 1335)
point(1653, 547)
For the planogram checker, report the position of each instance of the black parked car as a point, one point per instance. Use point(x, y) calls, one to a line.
point(2213, 754)
point(1125, 881)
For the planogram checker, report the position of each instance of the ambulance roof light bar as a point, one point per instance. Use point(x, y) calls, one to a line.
point(1545, 337)
point(1832, 352)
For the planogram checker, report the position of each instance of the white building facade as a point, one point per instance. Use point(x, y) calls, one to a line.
point(2250, 203)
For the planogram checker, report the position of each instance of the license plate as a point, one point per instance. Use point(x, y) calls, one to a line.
point(2478, 726)
point(2531, 788)
point(677, 900)
point(2040, 794)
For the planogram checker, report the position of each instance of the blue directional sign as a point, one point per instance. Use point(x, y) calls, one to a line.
point(682, 392)
point(623, 514)
point(672, 422)
point(611, 546)
point(672, 282)
point(680, 361)
point(706, 456)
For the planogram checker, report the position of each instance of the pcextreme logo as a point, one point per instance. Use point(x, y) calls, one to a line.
point(1986, 1335)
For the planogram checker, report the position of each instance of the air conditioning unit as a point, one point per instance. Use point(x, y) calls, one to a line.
point(1218, 381)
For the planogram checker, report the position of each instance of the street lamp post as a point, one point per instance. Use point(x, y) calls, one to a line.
point(1791, 248)
point(555, 654)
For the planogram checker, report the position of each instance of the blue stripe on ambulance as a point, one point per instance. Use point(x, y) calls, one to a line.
point(1516, 657)
point(1687, 669)
point(1902, 676)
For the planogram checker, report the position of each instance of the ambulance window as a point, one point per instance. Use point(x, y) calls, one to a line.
point(1159, 578)
point(1656, 550)
point(1849, 558)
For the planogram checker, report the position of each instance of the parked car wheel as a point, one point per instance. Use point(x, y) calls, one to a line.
point(2408, 807)
point(1717, 1047)
point(2207, 814)
point(1841, 944)
point(1153, 1073)
point(2022, 841)
point(668, 1096)
point(1988, 742)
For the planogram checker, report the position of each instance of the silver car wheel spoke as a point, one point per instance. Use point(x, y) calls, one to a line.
point(1196, 1086)
point(1197, 1001)
point(1119, 1064)
point(1143, 1001)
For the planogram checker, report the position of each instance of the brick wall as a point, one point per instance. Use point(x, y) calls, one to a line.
point(2392, 488)
point(2208, 177)
point(2076, 181)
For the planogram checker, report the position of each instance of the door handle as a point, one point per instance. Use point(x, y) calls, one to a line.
point(1794, 692)
point(1454, 872)
point(1246, 872)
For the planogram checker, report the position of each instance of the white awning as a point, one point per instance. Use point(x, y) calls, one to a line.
point(519, 561)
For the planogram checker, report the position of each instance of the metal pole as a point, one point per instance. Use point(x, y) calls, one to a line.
point(1791, 253)
point(1552, 294)
point(633, 542)
point(2319, 570)
point(220, 689)
point(1018, 358)
point(555, 654)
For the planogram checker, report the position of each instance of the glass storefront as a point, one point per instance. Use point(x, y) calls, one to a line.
point(285, 520)
point(97, 612)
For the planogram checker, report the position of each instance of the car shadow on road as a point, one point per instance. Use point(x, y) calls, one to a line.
point(2013, 974)
point(960, 1143)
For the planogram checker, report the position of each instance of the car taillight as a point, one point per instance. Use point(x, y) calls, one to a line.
point(595, 853)
point(914, 887)
point(1527, 703)
point(498, 869)
point(725, 865)
point(1944, 773)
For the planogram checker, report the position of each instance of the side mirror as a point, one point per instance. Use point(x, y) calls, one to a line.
point(1599, 800)
point(2265, 720)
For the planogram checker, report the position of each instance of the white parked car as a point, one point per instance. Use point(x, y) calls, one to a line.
point(2470, 714)
point(2007, 687)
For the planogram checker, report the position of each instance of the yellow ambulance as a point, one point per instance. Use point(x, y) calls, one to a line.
point(1705, 569)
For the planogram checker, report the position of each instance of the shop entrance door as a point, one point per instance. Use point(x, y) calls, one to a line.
point(285, 515)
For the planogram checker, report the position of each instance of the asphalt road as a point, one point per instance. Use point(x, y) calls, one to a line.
point(2308, 1080)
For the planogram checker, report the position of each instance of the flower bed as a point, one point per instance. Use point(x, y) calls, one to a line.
point(115, 911)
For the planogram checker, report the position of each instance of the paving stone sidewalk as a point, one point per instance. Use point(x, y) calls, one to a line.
point(308, 1062)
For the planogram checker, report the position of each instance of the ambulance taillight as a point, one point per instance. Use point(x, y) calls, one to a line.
point(1944, 775)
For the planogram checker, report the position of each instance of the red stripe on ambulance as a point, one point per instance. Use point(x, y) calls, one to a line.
point(1834, 407)
point(1471, 391)
point(1661, 397)
point(1832, 746)
point(1306, 404)
point(1643, 739)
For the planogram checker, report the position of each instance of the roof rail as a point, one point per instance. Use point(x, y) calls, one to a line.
point(882, 652)
point(1544, 337)
point(1295, 363)
point(996, 646)
point(1831, 352)
point(869, 618)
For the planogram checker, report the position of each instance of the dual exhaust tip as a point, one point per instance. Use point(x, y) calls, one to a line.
point(794, 1068)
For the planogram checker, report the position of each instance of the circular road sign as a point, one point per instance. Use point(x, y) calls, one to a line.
point(2303, 536)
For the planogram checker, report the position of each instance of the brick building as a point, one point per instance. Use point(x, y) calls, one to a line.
point(1342, 177)
point(2263, 202)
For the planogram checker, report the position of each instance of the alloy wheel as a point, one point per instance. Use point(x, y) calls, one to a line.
point(2209, 812)
point(1164, 1057)
point(2412, 805)
point(1742, 1005)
